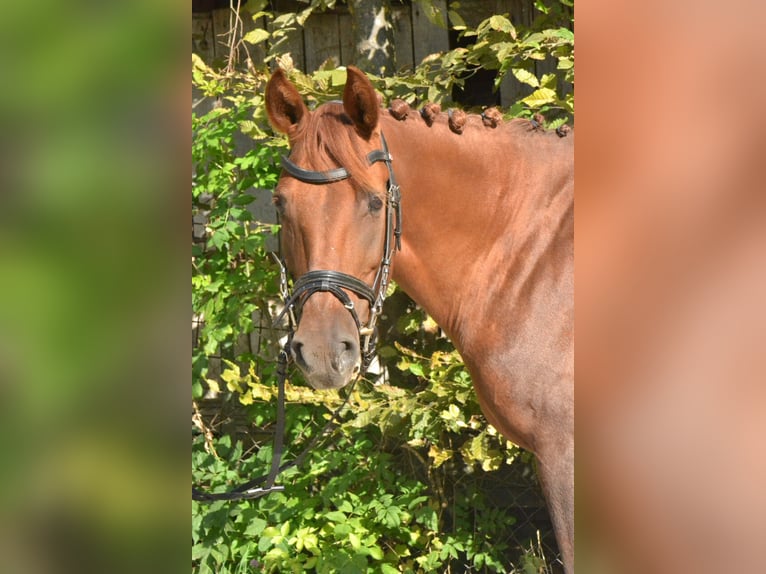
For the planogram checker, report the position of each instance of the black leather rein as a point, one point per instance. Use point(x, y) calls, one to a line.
point(337, 283)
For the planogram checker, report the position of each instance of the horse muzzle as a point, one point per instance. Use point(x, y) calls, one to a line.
point(326, 346)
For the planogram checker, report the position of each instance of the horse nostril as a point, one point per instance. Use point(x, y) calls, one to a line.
point(347, 354)
point(297, 348)
point(348, 347)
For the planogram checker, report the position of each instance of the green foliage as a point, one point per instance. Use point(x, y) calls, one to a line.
point(355, 506)
point(398, 487)
point(497, 44)
point(231, 273)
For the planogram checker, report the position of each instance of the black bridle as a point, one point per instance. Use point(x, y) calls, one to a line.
point(337, 283)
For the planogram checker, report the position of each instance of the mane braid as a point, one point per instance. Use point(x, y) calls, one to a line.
point(458, 120)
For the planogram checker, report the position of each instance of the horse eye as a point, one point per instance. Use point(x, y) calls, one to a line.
point(376, 204)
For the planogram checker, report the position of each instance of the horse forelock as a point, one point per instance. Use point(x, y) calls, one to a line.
point(328, 140)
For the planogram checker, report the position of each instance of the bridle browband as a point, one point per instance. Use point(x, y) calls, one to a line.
point(337, 283)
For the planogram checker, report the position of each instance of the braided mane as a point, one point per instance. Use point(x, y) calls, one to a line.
point(328, 139)
point(458, 119)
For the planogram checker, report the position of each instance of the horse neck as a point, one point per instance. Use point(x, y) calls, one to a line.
point(471, 203)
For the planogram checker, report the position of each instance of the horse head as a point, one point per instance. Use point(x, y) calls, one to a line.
point(334, 204)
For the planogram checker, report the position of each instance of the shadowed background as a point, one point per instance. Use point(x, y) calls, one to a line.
point(93, 358)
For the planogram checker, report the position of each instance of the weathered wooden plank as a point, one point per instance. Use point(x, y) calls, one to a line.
point(202, 36)
point(322, 39)
point(401, 19)
point(348, 53)
point(429, 38)
point(221, 26)
point(474, 11)
point(223, 18)
point(291, 43)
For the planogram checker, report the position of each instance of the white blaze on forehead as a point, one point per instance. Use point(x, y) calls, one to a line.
point(371, 45)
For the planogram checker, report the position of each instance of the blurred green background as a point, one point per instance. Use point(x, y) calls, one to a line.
point(94, 287)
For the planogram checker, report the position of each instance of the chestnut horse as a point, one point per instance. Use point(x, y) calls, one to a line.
point(486, 248)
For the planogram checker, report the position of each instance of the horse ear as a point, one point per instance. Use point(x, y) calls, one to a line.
point(361, 102)
point(284, 104)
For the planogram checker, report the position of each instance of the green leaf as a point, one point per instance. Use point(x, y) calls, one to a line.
point(284, 20)
point(439, 456)
point(256, 36)
point(475, 448)
point(199, 551)
point(387, 352)
point(354, 541)
point(540, 97)
point(338, 77)
point(456, 20)
point(219, 238)
point(526, 77)
point(564, 34)
point(303, 15)
point(335, 516)
point(417, 369)
point(255, 527)
point(502, 24)
point(244, 199)
point(284, 530)
point(391, 516)
point(416, 502)
point(492, 461)
point(542, 7)
point(433, 13)
point(548, 81)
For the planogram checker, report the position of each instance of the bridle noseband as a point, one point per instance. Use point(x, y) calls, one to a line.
point(337, 282)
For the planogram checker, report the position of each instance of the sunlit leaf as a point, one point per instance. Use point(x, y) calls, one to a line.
point(540, 97)
point(439, 456)
point(456, 20)
point(526, 77)
point(257, 35)
point(213, 385)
